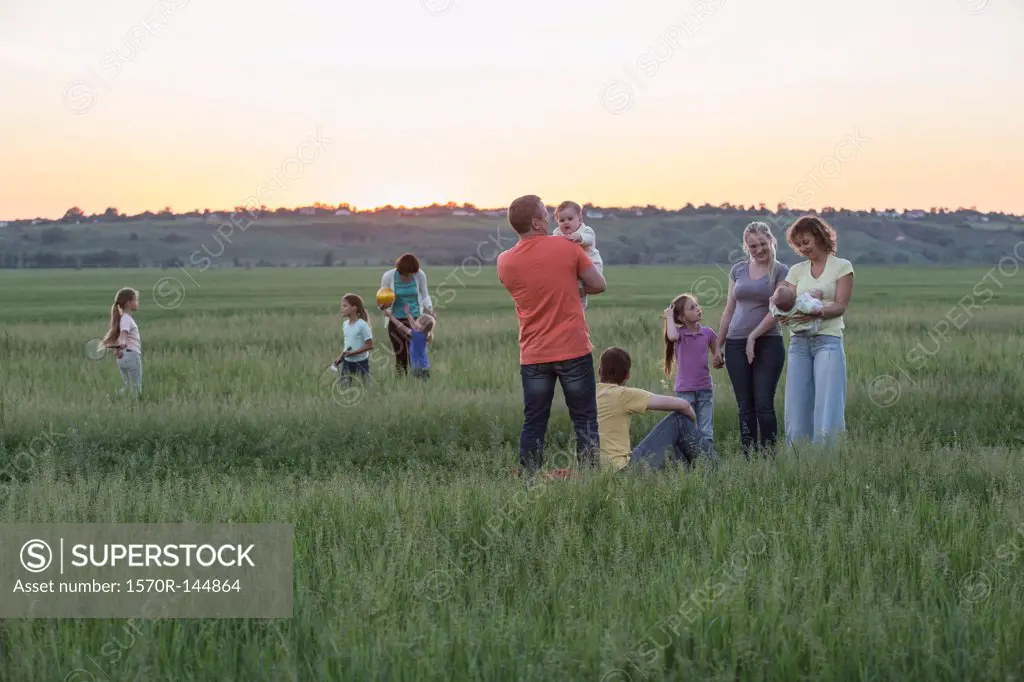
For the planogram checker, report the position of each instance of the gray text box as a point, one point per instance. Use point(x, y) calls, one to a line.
point(145, 570)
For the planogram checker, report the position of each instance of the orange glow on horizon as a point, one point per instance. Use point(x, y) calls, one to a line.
point(735, 107)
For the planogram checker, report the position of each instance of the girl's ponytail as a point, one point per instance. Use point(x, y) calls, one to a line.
point(114, 328)
point(123, 297)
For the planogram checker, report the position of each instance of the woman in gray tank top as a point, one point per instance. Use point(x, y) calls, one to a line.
point(754, 352)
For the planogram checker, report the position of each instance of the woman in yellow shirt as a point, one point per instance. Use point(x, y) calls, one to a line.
point(815, 407)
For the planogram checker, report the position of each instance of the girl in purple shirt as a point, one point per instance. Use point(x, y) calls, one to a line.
point(688, 344)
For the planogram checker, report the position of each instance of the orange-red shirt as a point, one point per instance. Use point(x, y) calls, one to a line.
point(541, 274)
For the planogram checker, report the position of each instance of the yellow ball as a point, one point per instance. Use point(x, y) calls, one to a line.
point(385, 297)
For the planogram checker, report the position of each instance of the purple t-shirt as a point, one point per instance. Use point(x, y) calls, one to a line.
point(752, 300)
point(691, 353)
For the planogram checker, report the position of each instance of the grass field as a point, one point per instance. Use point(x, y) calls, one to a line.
point(896, 556)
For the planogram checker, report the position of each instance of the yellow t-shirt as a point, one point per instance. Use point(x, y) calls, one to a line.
point(835, 267)
point(615, 405)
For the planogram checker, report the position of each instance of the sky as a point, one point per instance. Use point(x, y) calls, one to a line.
point(199, 104)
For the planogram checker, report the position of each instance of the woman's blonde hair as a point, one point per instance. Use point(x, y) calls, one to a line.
point(121, 300)
point(763, 229)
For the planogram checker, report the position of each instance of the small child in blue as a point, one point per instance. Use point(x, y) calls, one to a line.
point(419, 337)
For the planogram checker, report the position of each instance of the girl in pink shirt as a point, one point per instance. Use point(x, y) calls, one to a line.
point(688, 343)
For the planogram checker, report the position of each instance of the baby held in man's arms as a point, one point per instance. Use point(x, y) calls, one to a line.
point(569, 225)
point(785, 304)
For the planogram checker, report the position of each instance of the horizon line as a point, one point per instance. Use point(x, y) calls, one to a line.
point(588, 206)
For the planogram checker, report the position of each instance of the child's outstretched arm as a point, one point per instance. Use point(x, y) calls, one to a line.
point(414, 324)
point(402, 327)
point(587, 236)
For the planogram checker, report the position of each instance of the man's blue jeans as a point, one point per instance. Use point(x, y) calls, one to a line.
point(815, 389)
point(676, 438)
point(579, 386)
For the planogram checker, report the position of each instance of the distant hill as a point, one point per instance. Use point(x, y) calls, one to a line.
point(450, 235)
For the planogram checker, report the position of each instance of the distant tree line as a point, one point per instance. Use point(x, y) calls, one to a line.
point(108, 258)
point(76, 215)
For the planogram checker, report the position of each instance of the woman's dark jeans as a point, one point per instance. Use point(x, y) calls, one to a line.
point(400, 346)
point(754, 385)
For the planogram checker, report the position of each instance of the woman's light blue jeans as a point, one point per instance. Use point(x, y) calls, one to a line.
point(815, 389)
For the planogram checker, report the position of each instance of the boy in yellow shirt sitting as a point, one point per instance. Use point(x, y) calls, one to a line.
point(676, 435)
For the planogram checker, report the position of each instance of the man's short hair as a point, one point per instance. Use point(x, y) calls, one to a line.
point(614, 366)
point(523, 210)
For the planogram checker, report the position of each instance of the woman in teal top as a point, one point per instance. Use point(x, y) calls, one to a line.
point(409, 283)
point(406, 294)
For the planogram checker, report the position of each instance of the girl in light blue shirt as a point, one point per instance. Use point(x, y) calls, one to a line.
point(358, 339)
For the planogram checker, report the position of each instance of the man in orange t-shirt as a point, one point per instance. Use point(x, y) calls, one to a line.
point(541, 273)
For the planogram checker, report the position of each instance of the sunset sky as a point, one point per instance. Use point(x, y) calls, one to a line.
point(481, 101)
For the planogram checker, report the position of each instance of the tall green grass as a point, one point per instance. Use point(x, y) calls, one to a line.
point(895, 556)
